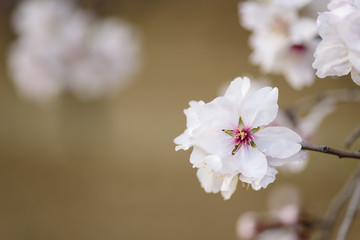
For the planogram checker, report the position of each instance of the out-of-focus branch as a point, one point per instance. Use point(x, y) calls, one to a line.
point(351, 139)
point(339, 95)
point(350, 212)
point(336, 205)
point(330, 150)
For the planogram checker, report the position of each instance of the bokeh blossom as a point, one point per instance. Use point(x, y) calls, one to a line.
point(338, 53)
point(63, 48)
point(286, 220)
point(231, 138)
point(281, 40)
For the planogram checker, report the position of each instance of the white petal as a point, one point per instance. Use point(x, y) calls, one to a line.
point(254, 15)
point(183, 141)
point(303, 30)
point(294, 167)
point(238, 89)
point(214, 162)
point(331, 59)
point(291, 4)
point(197, 157)
point(355, 76)
point(354, 58)
point(298, 69)
point(278, 142)
point(350, 30)
point(210, 181)
point(193, 114)
point(298, 157)
point(268, 51)
point(252, 163)
point(229, 186)
point(260, 108)
point(263, 182)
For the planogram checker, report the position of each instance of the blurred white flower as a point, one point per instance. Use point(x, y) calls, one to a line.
point(285, 220)
point(247, 225)
point(278, 234)
point(61, 48)
point(230, 134)
point(282, 42)
point(338, 53)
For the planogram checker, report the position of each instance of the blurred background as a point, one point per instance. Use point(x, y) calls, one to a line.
point(107, 168)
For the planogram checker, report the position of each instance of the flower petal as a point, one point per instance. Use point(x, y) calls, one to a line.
point(229, 185)
point(252, 163)
point(210, 181)
point(355, 76)
point(260, 108)
point(183, 141)
point(278, 142)
point(197, 157)
point(238, 89)
point(303, 30)
point(331, 59)
point(298, 157)
point(261, 183)
point(214, 162)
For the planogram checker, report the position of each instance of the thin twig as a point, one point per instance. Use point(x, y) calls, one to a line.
point(337, 203)
point(351, 139)
point(330, 150)
point(350, 212)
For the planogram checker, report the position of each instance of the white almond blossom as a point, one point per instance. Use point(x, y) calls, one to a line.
point(63, 48)
point(282, 41)
point(230, 136)
point(338, 53)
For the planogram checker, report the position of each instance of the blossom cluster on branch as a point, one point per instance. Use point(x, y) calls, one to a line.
point(63, 48)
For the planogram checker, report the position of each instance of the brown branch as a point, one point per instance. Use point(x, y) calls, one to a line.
point(330, 150)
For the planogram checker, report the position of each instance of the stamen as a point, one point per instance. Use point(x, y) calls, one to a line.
point(241, 136)
point(236, 148)
point(229, 132)
point(241, 123)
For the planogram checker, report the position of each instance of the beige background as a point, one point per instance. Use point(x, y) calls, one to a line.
point(108, 170)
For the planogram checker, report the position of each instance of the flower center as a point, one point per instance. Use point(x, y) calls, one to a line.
point(298, 48)
point(242, 137)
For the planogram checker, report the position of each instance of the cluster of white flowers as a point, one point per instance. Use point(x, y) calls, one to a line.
point(63, 48)
point(339, 50)
point(282, 41)
point(285, 43)
point(231, 138)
